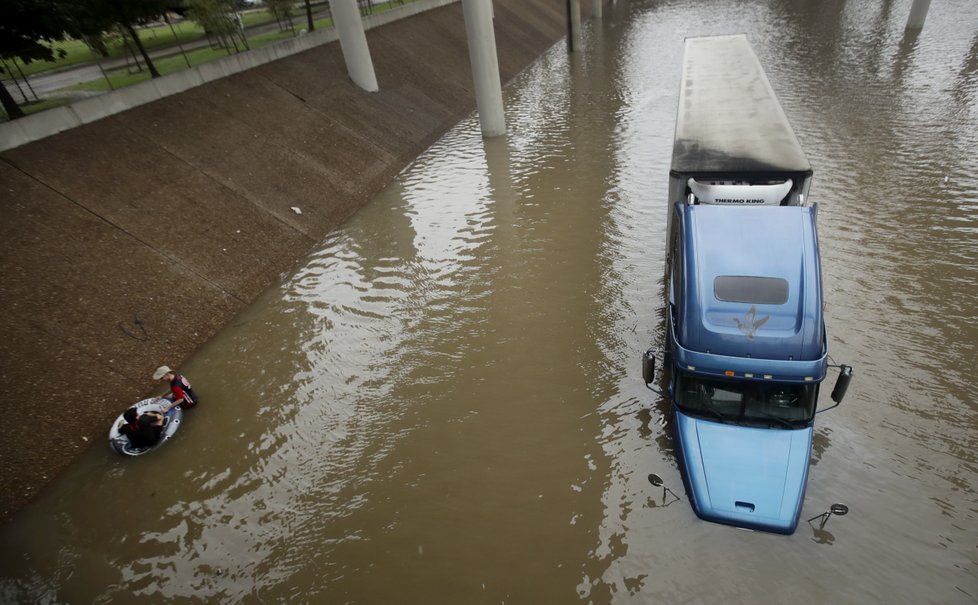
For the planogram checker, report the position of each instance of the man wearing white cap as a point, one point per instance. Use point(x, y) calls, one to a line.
point(181, 393)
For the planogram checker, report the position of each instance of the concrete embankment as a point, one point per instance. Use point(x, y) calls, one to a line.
point(130, 241)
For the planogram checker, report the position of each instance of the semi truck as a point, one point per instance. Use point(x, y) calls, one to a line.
point(746, 347)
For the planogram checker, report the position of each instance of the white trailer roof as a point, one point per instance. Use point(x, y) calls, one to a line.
point(729, 118)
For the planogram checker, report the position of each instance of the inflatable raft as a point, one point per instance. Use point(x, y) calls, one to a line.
point(171, 423)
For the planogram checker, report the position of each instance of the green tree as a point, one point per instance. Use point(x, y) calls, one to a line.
point(309, 22)
point(218, 18)
point(92, 20)
point(27, 27)
point(127, 13)
point(89, 25)
point(282, 10)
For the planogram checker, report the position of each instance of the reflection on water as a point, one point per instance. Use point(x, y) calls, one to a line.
point(444, 402)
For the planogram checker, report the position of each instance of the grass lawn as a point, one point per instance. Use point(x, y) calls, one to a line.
point(36, 106)
point(169, 65)
point(183, 31)
point(152, 38)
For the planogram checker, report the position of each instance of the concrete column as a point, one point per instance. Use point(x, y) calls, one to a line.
point(918, 12)
point(597, 8)
point(485, 66)
point(573, 25)
point(353, 41)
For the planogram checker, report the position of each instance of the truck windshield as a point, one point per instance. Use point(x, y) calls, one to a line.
point(751, 402)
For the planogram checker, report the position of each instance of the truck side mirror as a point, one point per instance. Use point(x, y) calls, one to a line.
point(842, 383)
point(648, 366)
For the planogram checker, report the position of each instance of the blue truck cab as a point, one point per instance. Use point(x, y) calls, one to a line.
point(746, 337)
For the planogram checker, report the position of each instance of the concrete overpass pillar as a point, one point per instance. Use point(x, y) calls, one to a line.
point(597, 8)
point(353, 41)
point(485, 66)
point(918, 12)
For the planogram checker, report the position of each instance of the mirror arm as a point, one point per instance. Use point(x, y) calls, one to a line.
point(655, 390)
point(828, 408)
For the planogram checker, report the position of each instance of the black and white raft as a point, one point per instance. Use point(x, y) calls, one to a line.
point(171, 424)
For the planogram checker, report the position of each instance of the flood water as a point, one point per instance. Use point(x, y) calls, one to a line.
point(444, 403)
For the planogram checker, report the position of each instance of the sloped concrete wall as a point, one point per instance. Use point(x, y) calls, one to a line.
point(178, 212)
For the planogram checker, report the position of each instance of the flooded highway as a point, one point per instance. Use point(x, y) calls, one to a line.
point(444, 402)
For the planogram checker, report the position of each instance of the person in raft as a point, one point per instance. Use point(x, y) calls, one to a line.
point(181, 393)
point(142, 430)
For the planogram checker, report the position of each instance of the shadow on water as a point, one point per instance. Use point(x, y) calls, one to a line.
point(966, 86)
point(908, 44)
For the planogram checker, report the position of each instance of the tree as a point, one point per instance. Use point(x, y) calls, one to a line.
point(26, 29)
point(282, 10)
point(90, 26)
point(311, 24)
point(92, 18)
point(217, 18)
point(128, 12)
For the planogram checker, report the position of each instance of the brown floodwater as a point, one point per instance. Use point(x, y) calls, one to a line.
point(444, 403)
